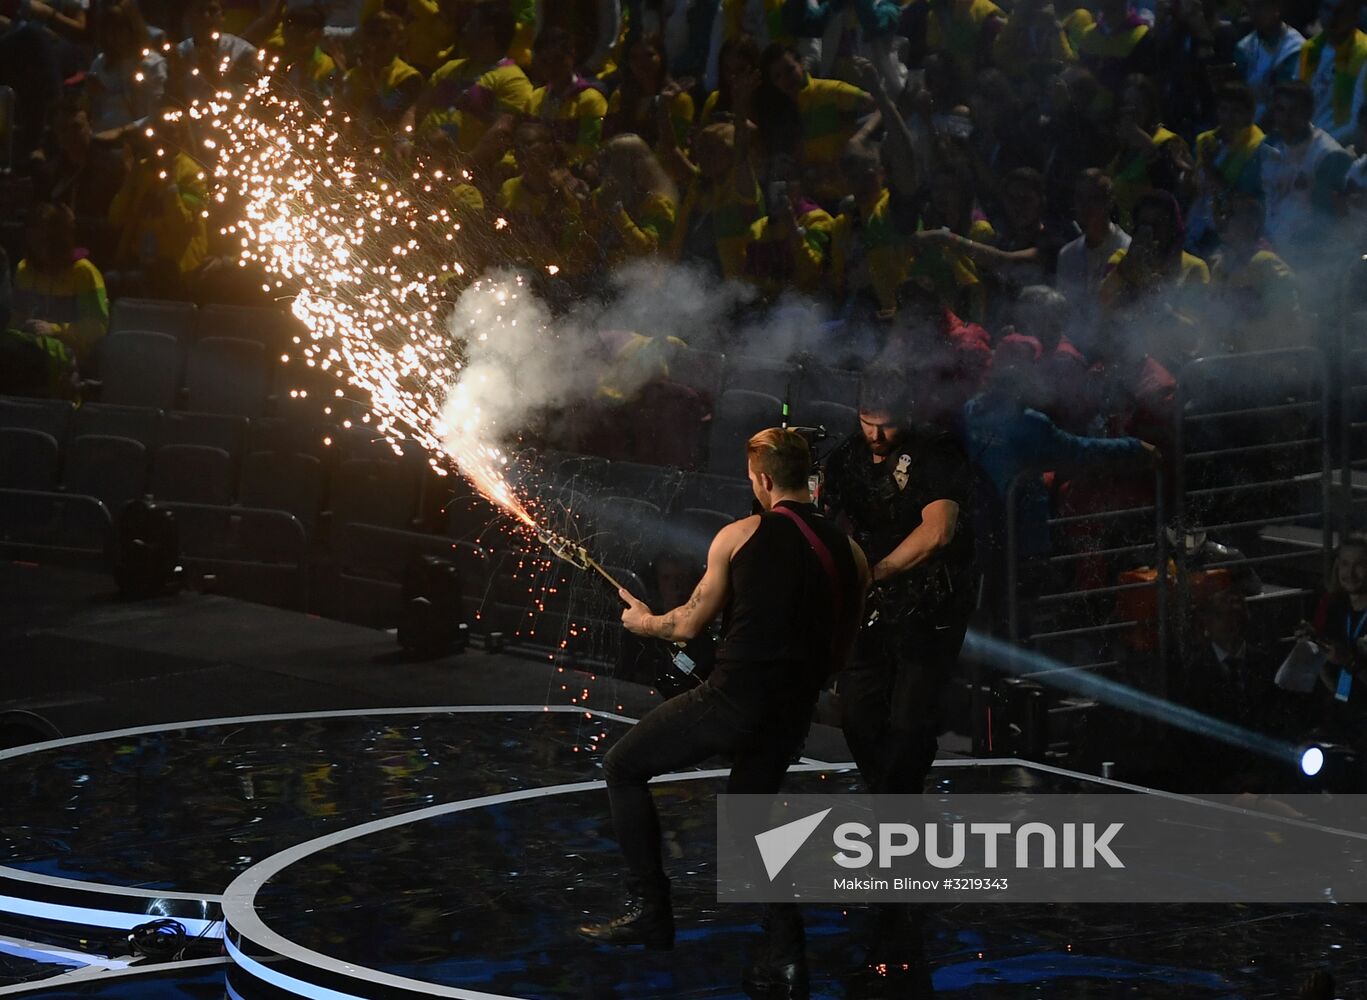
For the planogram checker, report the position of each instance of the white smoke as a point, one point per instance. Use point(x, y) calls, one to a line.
point(521, 360)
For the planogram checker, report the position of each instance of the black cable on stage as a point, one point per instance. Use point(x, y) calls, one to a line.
point(160, 940)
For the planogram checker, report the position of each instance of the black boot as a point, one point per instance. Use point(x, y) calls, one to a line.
point(647, 918)
point(780, 971)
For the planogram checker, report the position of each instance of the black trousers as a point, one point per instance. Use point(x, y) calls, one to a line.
point(759, 732)
point(890, 698)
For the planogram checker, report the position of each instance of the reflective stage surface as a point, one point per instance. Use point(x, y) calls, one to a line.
point(485, 900)
point(481, 897)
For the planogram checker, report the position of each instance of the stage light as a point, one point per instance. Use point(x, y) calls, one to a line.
point(1331, 767)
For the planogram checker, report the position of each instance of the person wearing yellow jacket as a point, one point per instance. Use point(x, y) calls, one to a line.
point(635, 206)
point(545, 205)
point(720, 192)
point(1150, 156)
point(965, 30)
point(429, 29)
point(568, 103)
point(55, 295)
point(467, 95)
point(159, 216)
point(1332, 64)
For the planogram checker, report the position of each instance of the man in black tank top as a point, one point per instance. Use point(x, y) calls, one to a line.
point(789, 586)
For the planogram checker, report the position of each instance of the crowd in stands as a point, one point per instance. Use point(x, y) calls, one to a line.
point(1041, 211)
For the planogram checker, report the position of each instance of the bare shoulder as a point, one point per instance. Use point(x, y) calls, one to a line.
point(734, 535)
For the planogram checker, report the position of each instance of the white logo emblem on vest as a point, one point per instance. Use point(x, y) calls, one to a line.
point(900, 473)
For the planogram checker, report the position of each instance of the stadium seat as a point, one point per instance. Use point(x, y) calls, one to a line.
point(140, 368)
point(836, 385)
point(627, 530)
point(739, 414)
point(138, 423)
point(724, 493)
point(28, 459)
point(54, 527)
point(700, 370)
point(582, 472)
point(192, 473)
point(668, 421)
point(839, 420)
point(175, 319)
point(373, 562)
point(775, 378)
point(227, 375)
point(252, 554)
point(654, 483)
point(287, 481)
point(51, 416)
point(304, 437)
point(215, 430)
point(704, 523)
point(111, 469)
point(273, 329)
point(369, 492)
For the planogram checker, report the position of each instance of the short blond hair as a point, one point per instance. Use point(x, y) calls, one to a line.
point(782, 455)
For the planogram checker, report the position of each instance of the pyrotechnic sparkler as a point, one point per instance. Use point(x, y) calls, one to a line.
point(367, 256)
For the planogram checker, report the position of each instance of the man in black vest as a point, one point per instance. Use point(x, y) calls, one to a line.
point(905, 492)
point(789, 586)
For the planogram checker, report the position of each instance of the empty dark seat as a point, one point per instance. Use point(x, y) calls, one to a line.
point(175, 319)
point(214, 430)
point(192, 473)
point(137, 423)
point(273, 329)
point(694, 529)
point(724, 493)
point(227, 375)
point(140, 368)
point(380, 493)
point(839, 420)
point(111, 469)
point(738, 416)
point(28, 459)
point(51, 416)
point(287, 481)
point(54, 527)
point(256, 555)
point(775, 378)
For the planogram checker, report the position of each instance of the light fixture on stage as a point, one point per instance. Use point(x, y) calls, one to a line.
point(430, 622)
point(1331, 767)
point(147, 551)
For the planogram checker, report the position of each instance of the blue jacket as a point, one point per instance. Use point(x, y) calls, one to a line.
point(809, 18)
point(1004, 438)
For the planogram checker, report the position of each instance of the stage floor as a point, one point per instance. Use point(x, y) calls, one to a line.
point(405, 829)
point(451, 853)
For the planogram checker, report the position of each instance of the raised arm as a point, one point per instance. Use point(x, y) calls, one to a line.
point(901, 161)
point(689, 619)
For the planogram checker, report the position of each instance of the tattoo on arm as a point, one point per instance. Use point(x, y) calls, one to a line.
point(668, 623)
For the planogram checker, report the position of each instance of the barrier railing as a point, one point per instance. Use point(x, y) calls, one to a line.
point(1353, 424)
point(1060, 616)
point(1253, 469)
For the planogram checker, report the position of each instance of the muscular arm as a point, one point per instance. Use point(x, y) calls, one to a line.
point(939, 520)
point(689, 619)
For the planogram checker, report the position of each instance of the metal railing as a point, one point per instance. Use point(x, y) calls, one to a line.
point(1353, 423)
point(1253, 467)
point(1047, 619)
